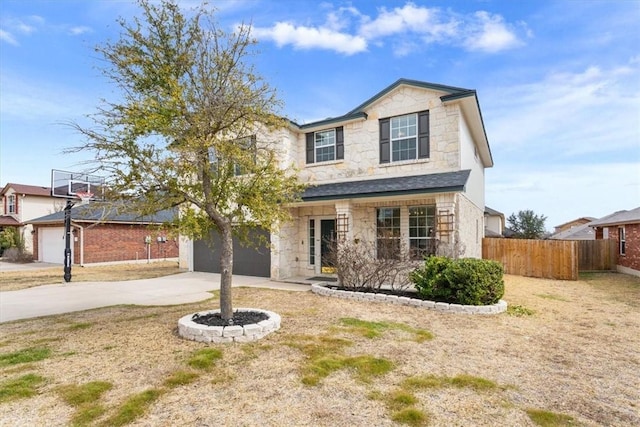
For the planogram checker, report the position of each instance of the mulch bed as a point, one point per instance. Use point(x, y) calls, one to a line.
point(240, 318)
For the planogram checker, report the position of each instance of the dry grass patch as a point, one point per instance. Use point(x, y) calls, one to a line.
point(16, 280)
point(566, 359)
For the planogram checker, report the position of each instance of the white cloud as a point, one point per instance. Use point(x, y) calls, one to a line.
point(409, 18)
point(76, 31)
point(301, 37)
point(594, 110)
point(7, 37)
point(489, 33)
point(348, 31)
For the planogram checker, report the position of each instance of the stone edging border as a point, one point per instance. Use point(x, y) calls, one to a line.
point(322, 289)
point(191, 330)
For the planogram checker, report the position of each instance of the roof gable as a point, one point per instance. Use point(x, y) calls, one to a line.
point(30, 190)
point(449, 90)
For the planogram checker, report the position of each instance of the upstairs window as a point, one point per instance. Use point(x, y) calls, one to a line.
point(11, 204)
point(325, 145)
point(404, 137)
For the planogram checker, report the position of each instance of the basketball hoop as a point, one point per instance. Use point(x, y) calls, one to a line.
point(84, 196)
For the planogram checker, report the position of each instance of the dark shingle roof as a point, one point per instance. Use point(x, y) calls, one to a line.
point(105, 213)
point(431, 183)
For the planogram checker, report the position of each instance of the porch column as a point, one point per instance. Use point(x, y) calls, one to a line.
point(446, 224)
point(344, 220)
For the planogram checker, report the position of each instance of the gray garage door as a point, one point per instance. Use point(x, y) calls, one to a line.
point(247, 261)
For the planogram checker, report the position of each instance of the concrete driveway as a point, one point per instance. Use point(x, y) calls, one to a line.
point(179, 288)
point(14, 266)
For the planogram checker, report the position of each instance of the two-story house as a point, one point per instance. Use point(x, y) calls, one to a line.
point(21, 203)
point(405, 168)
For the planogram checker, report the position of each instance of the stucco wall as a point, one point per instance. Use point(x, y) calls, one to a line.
point(30, 207)
point(470, 227)
point(469, 159)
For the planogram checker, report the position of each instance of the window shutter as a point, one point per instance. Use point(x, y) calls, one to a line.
point(423, 135)
point(5, 205)
point(385, 141)
point(340, 143)
point(310, 147)
point(15, 201)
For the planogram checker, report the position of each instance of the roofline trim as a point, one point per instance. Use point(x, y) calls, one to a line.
point(408, 82)
point(321, 123)
point(450, 189)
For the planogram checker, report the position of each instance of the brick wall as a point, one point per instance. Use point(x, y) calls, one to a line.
point(119, 242)
point(124, 242)
point(632, 257)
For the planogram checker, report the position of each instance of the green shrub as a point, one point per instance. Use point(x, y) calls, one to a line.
point(467, 281)
point(429, 280)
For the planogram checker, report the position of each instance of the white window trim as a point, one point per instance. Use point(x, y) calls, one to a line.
point(433, 237)
point(11, 203)
point(622, 241)
point(315, 145)
point(392, 140)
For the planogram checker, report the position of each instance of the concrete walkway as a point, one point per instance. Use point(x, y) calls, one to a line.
point(179, 288)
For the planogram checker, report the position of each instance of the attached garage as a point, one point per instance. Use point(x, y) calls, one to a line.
point(247, 260)
point(51, 245)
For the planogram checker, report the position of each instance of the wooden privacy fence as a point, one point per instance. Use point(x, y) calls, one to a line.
point(595, 255)
point(551, 259)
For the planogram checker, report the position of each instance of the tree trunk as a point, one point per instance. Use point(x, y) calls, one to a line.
point(226, 271)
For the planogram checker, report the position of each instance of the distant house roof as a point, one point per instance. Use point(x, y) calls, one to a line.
point(105, 213)
point(431, 183)
point(31, 190)
point(582, 220)
point(8, 221)
point(491, 233)
point(618, 218)
point(490, 211)
point(579, 232)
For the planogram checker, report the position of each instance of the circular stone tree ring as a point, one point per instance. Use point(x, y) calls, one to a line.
point(191, 330)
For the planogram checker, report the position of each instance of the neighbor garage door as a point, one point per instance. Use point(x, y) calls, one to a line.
point(247, 261)
point(51, 244)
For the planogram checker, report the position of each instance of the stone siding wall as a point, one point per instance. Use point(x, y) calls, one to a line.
point(361, 141)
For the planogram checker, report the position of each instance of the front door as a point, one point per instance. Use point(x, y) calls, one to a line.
point(327, 240)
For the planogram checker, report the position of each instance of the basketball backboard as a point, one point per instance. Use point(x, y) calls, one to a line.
point(66, 184)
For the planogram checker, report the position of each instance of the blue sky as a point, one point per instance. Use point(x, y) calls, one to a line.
point(558, 82)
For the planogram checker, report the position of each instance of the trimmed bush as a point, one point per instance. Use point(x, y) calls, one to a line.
point(467, 281)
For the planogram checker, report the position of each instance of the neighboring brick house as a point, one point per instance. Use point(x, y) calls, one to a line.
point(624, 228)
point(102, 234)
point(407, 163)
point(20, 203)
